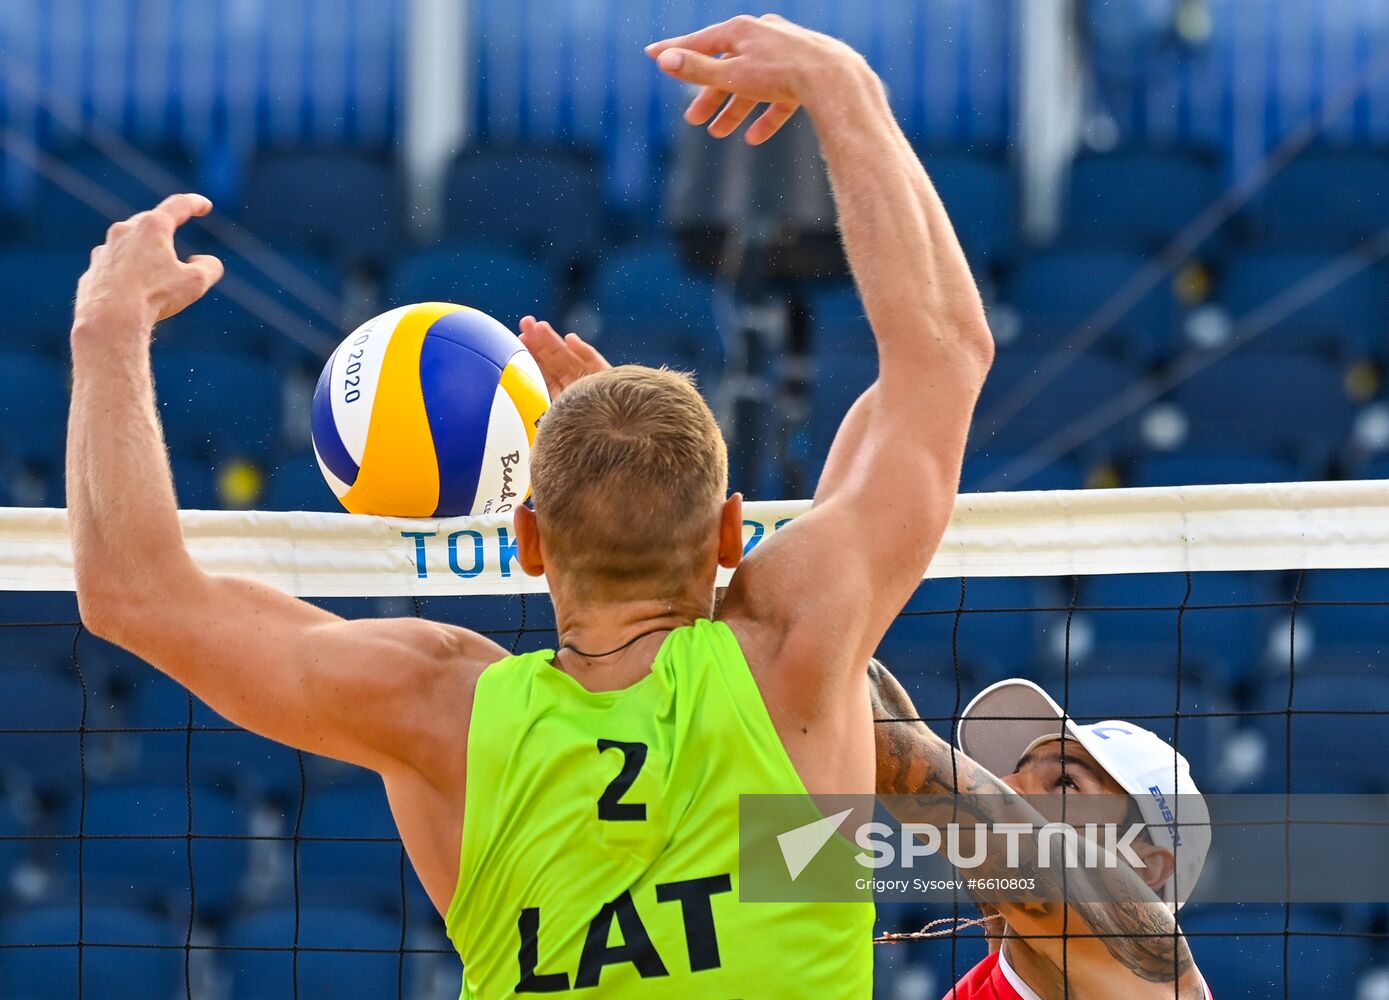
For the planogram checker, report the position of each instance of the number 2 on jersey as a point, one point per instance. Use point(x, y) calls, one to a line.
point(610, 804)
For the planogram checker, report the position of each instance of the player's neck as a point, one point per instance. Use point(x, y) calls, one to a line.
point(597, 628)
point(609, 644)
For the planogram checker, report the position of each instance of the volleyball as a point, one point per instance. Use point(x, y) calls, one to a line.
point(428, 410)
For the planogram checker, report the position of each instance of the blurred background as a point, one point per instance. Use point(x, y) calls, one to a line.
point(1178, 212)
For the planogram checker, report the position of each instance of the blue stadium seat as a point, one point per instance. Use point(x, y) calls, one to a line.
point(373, 971)
point(1343, 631)
point(1058, 292)
point(1273, 402)
point(1206, 469)
point(1232, 637)
point(39, 699)
point(297, 484)
point(341, 205)
point(365, 871)
point(33, 410)
point(838, 323)
point(13, 850)
point(1240, 951)
point(148, 864)
point(1329, 199)
point(195, 482)
point(1332, 712)
point(108, 973)
point(932, 687)
point(37, 287)
point(277, 306)
point(218, 404)
point(1083, 387)
point(1351, 318)
point(530, 616)
point(1123, 687)
point(980, 467)
point(1375, 468)
point(980, 195)
point(840, 378)
point(256, 766)
point(57, 218)
point(504, 284)
point(653, 311)
point(1136, 199)
point(533, 200)
point(27, 642)
point(997, 636)
point(930, 968)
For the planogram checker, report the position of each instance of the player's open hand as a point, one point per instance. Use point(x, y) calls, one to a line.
point(562, 360)
point(136, 275)
point(749, 61)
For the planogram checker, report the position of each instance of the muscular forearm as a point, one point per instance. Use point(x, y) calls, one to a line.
point(917, 288)
point(1109, 905)
point(127, 547)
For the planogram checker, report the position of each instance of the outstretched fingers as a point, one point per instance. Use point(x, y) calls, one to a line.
point(586, 354)
point(733, 115)
point(697, 68)
point(702, 108)
point(712, 40)
point(207, 269)
point(179, 208)
point(770, 123)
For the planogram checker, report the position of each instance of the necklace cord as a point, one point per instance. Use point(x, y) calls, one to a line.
point(616, 649)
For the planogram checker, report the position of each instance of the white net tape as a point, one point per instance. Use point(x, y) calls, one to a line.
point(1336, 525)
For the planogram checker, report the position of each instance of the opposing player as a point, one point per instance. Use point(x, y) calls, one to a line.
point(1116, 933)
point(573, 814)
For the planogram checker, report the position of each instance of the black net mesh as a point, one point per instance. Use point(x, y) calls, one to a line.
point(151, 848)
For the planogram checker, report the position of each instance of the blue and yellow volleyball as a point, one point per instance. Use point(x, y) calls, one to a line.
point(428, 410)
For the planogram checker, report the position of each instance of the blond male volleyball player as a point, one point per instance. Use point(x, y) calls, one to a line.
point(1120, 936)
point(573, 814)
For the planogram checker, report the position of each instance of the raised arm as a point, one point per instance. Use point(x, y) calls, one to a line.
point(359, 691)
point(825, 589)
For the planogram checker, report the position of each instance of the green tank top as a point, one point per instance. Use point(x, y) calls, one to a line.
point(600, 839)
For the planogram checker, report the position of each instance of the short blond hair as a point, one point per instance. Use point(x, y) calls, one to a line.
point(628, 474)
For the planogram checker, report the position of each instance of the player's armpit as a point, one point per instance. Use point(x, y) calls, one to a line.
point(380, 693)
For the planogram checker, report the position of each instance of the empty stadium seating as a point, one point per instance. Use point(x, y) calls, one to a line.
point(136, 848)
point(37, 286)
point(1242, 953)
point(1136, 199)
point(528, 228)
point(652, 310)
point(542, 201)
point(1326, 199)
point(1347, 317)
point(979, 192)
point(218, 404)
point(341, 205)
point(370, 967)
point(505, 284)
point(155, 969)
point(1059, 294)
point(1234, 402)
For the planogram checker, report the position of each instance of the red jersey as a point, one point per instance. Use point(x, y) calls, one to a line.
point(992, 979)
point(995, 979)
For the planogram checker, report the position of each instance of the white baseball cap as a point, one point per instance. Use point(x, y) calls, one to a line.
point(1006, 720)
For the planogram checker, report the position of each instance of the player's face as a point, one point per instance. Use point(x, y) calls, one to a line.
point(1092, 796)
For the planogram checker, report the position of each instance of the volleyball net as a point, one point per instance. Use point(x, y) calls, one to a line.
point(151, 848)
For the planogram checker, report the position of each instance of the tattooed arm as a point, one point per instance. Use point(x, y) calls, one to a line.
point(1113, 916)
